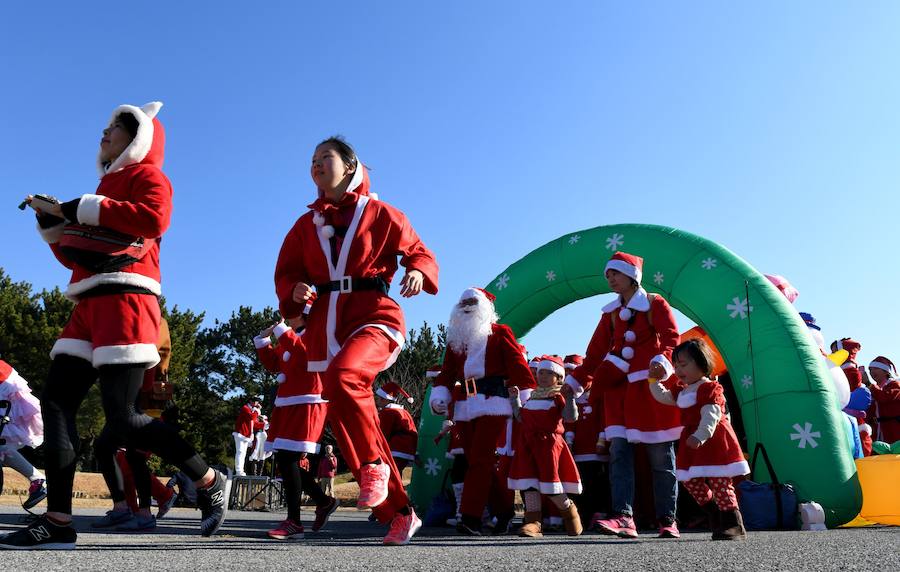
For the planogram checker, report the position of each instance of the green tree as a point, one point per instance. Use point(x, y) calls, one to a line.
point(423, 349)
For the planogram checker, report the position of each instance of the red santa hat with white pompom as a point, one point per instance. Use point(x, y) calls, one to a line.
point(554, 364)
point(628, 264)
point(478, 293)
point(573, 361)
point(391, 391)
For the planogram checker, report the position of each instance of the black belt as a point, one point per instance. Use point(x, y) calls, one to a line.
point(347, 284)
point(494, 386)
point(111, 289)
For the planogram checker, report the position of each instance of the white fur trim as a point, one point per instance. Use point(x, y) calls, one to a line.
point(280, 378)
point(865, 428)
point(326, 231)
point(569, 366)
point(474, 293)
point(735, 469)
point(460, 411)
point(305, 399)
point(664, 361)
point(539, 405)
point(140, 146)
point(393, 406)
point(53, 234)
point(629, 270)
point(73, 347)
point(441, 393)
point(638, 375)
point(480, 406)
point(525, 394)
point(126, 354)
point(475, 357)
point(688, 397)
point(89, 209)
point(848, 365)
point(373, 196)
point(281, 329)
point(621, 364)
point(118, 278)
point(552, 366)
point(663, 436)
point(544, 487)
point(399, 455)
point(280, 444)
point(286, 356)
point(882, 366)
point(628, 352)
point(614, 432)
point(588, 457)
point(260, 343)
point(357, 178)
point(577, 389)
point(152, 108)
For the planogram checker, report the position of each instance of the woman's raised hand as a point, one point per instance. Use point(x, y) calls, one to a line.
point(302, 292)
point(411, 284)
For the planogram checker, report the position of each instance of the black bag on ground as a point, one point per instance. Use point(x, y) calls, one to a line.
point(767, 506)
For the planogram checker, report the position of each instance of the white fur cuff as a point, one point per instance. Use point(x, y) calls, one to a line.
point(260, 342)
point(53, 234)
point(281, 329)
point(577, 389)
point(89, 209)
point(664, 361)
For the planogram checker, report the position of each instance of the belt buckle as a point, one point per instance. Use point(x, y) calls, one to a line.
point(470, 387)
point(345, 285)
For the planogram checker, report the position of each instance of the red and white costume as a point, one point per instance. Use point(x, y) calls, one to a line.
point(397, 423)
point(298, 418)
point(628, 337)
point(486, 368)
point(26, 426)
point(246, 424)
point(887, 402)
point(134, 197)
point(351, 336)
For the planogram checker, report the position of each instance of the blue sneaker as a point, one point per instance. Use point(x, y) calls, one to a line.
point(138, 523)
point(113, 518)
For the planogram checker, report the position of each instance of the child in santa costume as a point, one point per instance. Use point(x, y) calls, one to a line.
point(25, 428)
point(709, 455)
point(886, 395)
point(245, 425)
point(484, 357)
point(635, 329)
point(586, 439)
point(113, 330)
point(298, 421)
point(346, 247)
point(397, 423)
point(543, 463)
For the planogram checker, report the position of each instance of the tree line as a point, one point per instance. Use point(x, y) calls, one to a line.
point(213, 368)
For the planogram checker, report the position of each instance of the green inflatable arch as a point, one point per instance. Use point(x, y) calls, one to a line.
point(784, 389)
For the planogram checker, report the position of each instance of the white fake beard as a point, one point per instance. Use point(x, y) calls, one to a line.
point(469, 328)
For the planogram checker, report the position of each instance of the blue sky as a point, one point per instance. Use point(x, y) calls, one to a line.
point(769, 127)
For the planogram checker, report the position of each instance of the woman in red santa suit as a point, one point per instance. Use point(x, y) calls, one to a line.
point(346, 247)
point(636, 329)
point(397, 424)
point(114, 328)
point(485, 358)
point(298, 421)
point(886, 395)
point(245, 425)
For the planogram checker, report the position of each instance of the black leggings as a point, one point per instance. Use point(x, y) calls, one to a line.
point(296, 479)
point(69, 380)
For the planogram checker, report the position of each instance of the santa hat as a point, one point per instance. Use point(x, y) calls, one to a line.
point(885, 364)
point(391, 391)
point(479, 293)
point(572, 361)
point(149, 128)
point(809, 320)
point(433, 371)
point(535, 361)
point(628, 264)
point(851, 345)
point(554, 364)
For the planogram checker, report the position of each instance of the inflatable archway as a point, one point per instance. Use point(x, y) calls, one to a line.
point(785, 392)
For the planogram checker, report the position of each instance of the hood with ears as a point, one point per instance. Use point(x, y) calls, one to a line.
point(148, 145)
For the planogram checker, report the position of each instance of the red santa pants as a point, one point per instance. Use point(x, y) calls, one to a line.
point(347, 385)
point(481, 453)
point(704, 489)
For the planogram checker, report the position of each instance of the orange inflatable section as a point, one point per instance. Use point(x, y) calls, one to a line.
point(699, 333)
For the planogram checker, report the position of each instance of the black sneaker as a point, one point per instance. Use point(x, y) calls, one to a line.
point(40, 535)
point(469, 526)
point(213, 503)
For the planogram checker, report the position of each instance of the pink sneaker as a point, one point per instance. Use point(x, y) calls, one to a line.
point(373, 485)
point(621, 526)
point(287, 530)
point(669, 530)
point(403, 528)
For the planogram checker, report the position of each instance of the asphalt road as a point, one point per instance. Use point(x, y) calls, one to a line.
point(351, 543)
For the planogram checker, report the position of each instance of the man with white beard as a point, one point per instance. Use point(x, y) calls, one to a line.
point(486, 358)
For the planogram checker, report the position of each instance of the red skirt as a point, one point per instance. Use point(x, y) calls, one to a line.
point(297, 427)
point(720, 456)
point(543, 462)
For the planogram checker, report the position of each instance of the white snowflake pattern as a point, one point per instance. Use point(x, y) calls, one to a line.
point(709, 263)
point(747, 382)
point(551, 276)
point(659, 277)
point(432, 467)
point(503, 282)
point(574, 239)
point(805, 435)
point(615, 241)
point(739, 307)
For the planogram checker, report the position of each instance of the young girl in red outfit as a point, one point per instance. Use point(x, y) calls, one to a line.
point(709, 454)
point(543, 463)
point(296, 427)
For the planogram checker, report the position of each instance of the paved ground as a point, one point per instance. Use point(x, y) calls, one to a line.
point(351, 543)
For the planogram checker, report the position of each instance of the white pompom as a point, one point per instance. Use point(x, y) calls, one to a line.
point(318, 219)
point(286, 356)
point(630, 336)
point(327, 231)
point(625, 314)
point(628, 352)
point(280, 379)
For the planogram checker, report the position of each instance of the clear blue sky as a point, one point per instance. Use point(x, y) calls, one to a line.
point(770, 127)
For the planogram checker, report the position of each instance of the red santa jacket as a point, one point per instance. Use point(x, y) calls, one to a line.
point(134, 197)
point(499, 357)
point(247, 422)
point(376, 234)
point(399, 429)
point(582, 435)
point(296, 385)
point(887, 410)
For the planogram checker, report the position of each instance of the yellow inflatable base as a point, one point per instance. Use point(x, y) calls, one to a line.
point(878, 477)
